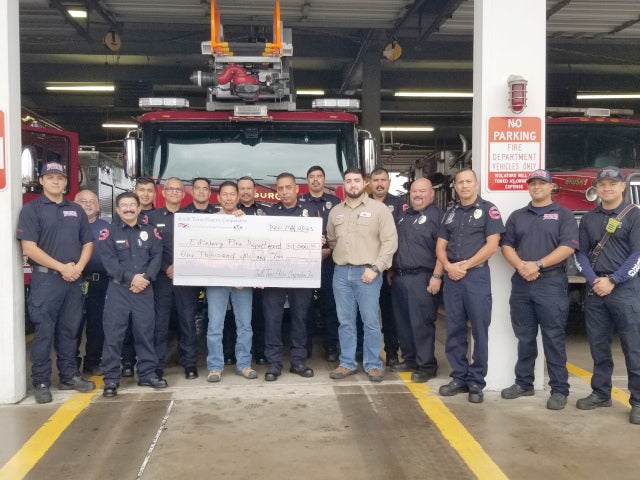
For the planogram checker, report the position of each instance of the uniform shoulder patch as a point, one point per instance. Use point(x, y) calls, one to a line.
point(104, 234)
point(157, 234)
point(494, 212)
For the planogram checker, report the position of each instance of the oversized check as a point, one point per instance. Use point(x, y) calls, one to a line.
point(247, 251)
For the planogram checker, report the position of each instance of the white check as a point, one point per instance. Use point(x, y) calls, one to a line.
point(247, 251)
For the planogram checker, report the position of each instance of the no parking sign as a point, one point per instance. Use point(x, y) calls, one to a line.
point(3, 157)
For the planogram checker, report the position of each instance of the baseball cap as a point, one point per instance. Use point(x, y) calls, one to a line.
point(540, 174)
point(53, 167)
point(614, 173)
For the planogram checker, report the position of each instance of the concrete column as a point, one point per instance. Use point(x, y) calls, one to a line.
point(509, 39)
point(12, 339)
point(371, 92)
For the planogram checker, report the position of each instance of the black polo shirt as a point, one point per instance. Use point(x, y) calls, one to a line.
point(163, 220)
point(417, 236)
point(322, 204)
point(191, 208)
point(127, 251)
point(395, 204)
point(59, 229)
point(466, 228)
point(298, 210)
point(534, 232)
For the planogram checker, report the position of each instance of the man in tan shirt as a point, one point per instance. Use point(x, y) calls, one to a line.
point(362, 234)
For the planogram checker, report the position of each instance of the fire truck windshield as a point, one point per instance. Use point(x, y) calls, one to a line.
point(261, 150)
point(592, 145)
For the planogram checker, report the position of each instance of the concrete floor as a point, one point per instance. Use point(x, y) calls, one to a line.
point(320, 428)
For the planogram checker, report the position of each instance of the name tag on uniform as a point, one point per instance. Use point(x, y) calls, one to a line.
point(161, 225)
point(365, 214)
point(121, 241)
point(69, 213)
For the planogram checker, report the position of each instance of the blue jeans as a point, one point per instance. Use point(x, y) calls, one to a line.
point(241, 301)
point(351, 295)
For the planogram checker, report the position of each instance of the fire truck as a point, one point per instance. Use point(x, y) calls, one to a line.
point(250, 126)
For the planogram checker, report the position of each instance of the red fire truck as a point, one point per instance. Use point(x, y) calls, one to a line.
point(250, 126)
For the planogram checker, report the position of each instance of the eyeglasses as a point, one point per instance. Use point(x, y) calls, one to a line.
point(174, 190)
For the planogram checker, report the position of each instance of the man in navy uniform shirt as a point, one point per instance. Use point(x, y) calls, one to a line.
point(167, 294)
point(55, 235)
point(415, 279)
point(379, 185)
point(273, 299)
point(537, 241)
point(323, 203)
point(97, 282)
point(468, 236)
point(610, 264)
point(131, 253)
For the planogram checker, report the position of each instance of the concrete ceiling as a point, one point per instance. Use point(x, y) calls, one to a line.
point(592, 46)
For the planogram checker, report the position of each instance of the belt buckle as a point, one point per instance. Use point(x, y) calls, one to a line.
point(95, 277)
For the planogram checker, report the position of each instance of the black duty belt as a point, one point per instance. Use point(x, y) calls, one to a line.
point(95, 277)
point(118, 282)
point(603, 274)
point(552, 272)
point(410, 271)
point(480, 265)
point(40, 269)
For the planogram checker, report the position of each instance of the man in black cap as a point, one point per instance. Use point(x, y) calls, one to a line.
point(55, 235)
point(609, 258)
point(537, 241)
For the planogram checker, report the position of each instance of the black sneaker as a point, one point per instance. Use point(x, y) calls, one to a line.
point(557, 401)
point(77, 383)
point(475, 394)
point(153, 382)
point(42, 393)
point(452, 388)
point(593, 401)
point(421, 376)
point(634, 416)
point(127, 371)
point(515, 391)
point(110, 390)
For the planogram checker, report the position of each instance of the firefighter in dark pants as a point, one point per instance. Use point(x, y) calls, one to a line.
point(96, 283)
point(247, 193)
point(55, 235)
point(613, 303)
point(537, 241)
point(273, 299)
point(468, 236)
point(323, 202)
point(416, 278)
point(379, 185)
point(145, 189)
point(131, 253)
point(167, 294)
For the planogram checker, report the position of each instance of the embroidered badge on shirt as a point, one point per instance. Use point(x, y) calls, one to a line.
point(494, 212)
point(144, 236)
point(477, 213)
point(70, 213)
point(104, 233)
point(365, 214)
point(305, 213)
point(390, 207)
point(328, 205)
point(422, 219)
point(550, 216)
point(449, 218)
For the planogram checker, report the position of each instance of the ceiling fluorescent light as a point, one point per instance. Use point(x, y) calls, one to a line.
point(406, 129)
point(77, 13)
point(80, 88)
point(309, 92)
point(607, 96)
point(417, 94)
point(119, 125)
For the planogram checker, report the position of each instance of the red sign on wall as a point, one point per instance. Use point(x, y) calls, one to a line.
point(514, 151)
point(3, 156)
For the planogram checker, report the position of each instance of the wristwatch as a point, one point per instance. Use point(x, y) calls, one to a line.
point(374, 268)
point(539, 264)
point(437, 276)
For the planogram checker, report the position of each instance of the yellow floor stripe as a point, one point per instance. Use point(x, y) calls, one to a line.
point(460, 439)
point(34, 449)
point(616, 393)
